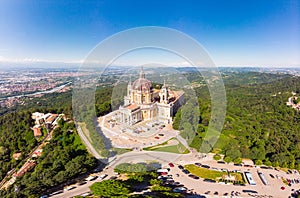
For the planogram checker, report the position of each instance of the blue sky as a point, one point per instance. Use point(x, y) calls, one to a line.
point(235, 33)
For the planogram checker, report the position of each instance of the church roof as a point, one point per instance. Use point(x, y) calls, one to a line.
point(132, 107)
point(142, 84)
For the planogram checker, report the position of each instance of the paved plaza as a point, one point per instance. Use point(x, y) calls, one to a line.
point(141, 135)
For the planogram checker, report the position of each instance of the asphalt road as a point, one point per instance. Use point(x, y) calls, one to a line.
point(134, 156)
point(198, 186)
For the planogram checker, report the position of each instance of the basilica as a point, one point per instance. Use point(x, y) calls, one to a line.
point(143, 102)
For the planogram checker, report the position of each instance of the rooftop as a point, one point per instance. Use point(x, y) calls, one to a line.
point(132, 107)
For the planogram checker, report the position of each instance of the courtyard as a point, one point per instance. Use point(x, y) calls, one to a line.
point(139, 136)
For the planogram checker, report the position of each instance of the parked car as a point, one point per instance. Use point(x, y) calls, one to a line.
point(209, 180)
point(221, 162)
point(205, 166)
point(81, 183)
point(180, 189)
point(238, 164)
point(180, 167)
point(193, 176)
point(91, 178)
point(186, 171)
point(272, 176)
point(198, 164)
point(57, 192)
point(102, 176)
point(171, 165)
point(86, 194)
point(249, 191)
point(67, 188)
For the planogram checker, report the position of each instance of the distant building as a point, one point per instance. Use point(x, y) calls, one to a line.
point(25, 168)
point(37, 153)
point(38, 117)
point(37, 132)
point(17, 156)
point(48, 120)
point(51, 119)
point(142, 102)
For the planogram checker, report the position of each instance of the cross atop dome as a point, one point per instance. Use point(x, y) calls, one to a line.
point(142, 74)
point(164, 85)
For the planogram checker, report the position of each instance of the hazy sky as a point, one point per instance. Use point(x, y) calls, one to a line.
point(235, 33)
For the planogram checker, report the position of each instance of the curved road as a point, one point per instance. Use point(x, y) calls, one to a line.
point(134, 156)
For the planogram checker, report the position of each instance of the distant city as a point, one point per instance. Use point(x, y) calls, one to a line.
point(35, 82)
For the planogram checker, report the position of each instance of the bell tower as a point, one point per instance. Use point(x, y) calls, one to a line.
point(164, 94)
point(128, 99)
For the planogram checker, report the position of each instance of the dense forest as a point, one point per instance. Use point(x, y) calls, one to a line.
point(15, 136)
point(63, 159)
point(258, 125)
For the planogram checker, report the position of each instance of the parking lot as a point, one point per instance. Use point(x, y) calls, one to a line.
point(210, 188)
point(204, 187)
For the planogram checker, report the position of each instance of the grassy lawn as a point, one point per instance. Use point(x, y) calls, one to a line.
point(212, 174)
point(204, 172)
point(85, 131)
point(179, 148)
point(120, 151)
point(159, 145)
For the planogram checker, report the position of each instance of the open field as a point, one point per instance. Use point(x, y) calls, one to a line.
point(172, 146)
point(212, 174)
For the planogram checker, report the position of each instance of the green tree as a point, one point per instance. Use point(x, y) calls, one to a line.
point(160, 188)
point(227, 159)
point(155, 182)
point(110, 188)
point(238, 160)
point(217, 157)
point(258, 162)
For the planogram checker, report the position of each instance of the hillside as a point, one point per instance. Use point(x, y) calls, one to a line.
point(258, 123)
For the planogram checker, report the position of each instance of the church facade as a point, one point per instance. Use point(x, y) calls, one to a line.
point(143, 102)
